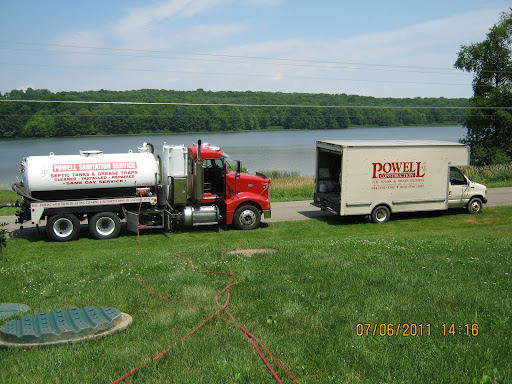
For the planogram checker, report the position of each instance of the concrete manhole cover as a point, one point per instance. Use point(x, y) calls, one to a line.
point(250, 252)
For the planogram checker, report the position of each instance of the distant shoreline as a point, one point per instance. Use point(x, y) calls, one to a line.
point(223, 132)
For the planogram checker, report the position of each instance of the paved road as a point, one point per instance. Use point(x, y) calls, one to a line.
point(303, 210)
point(499, 196)
point(288, 211)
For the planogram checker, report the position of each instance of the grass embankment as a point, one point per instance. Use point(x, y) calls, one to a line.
point(8, 197)
point(493, 176)
point(290, 186)
point(304, 302)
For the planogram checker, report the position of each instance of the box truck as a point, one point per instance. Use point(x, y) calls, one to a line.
point(378, 178)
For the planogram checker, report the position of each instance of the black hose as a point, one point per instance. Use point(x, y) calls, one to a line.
point(16, 187)
point(10, 205)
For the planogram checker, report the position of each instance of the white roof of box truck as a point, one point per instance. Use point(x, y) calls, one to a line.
point(390, 143)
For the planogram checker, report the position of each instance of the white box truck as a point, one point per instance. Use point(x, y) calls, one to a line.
point(381, 177)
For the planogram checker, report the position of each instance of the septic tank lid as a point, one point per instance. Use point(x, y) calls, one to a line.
point(12, 309)
point(63, 326)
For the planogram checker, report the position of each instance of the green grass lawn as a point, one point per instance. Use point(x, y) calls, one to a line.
point(8, 197)
point(304, 302)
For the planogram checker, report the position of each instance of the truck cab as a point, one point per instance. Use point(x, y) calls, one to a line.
point(242, 198)
point(464, 193)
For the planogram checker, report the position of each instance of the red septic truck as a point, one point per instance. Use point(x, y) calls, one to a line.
point(186, 186)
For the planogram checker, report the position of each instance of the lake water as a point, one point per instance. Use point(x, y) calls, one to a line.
point(259, 151)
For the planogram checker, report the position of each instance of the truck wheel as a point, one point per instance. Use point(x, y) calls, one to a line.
point(247, 217)
point(474, 205)
point(105, 225)
point(63, 227)
point(381, 214)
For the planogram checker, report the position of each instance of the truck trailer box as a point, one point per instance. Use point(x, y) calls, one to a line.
point(377, 178)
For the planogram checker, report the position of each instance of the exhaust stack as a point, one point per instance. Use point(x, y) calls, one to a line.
point(199, 187)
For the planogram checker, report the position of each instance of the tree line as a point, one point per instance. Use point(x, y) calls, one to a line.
point(26, 119)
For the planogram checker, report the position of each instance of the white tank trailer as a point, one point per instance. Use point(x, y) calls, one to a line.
point(91, 174)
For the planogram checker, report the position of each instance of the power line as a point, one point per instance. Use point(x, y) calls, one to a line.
point(229, 74)
point(328, 66)
point(228, 56)
point(261, 60)
point(247, 105)
point(184, 116)
point(328, 63)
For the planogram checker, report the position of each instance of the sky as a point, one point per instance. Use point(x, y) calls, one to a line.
point(370, 48)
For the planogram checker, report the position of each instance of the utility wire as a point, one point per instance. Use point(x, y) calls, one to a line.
point(289, 60)
point(328, 66)
point(227, 74)
point(247, 105)
point(190, 116)
point(225, 55)
point(261, 61)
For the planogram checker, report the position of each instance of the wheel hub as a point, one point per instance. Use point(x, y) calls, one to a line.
point(105, 226)
point(63, 227)
point(247, 217)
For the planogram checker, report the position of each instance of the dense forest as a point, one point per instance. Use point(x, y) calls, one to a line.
point(268, 110)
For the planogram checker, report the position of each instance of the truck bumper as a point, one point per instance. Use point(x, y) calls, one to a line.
point(267, 214)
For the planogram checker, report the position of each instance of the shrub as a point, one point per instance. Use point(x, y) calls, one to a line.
point(3, 239)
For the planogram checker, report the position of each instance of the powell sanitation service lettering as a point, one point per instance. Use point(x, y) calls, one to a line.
point(94, 173)
point(398, 170)
point(94, 166)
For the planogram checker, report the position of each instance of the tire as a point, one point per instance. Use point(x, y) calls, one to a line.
point(105, 225)
point(247, 217)
point(475, 205)
point(63, 227)
point(380, 214)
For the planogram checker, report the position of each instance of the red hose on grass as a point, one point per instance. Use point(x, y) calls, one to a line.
point(250, 337)
point(138, 222)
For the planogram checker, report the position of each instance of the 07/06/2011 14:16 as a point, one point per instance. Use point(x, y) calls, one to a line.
point(414, 329)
